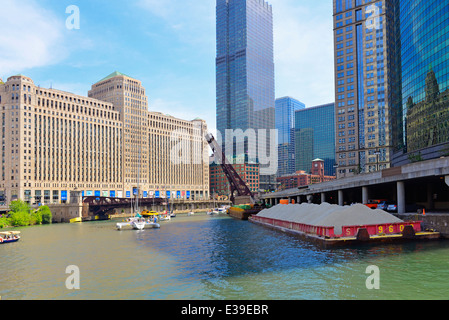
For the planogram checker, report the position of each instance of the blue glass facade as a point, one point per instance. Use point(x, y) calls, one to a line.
point(423, 39)
point(245, 68)
point(315, 137)
point(285, 124)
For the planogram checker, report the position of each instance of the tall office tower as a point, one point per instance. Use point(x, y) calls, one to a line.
point(422, 120)
point(366, 84)
point(315, 137)
point(285, 124)
point(245, 79)
point(128, 96)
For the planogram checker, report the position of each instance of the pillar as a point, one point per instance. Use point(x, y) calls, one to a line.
point(401, 197)
point(340, 198)
point(365, 196)
point(323, 197)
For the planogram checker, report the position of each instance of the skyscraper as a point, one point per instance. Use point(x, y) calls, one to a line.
point(128, 96)
point(422, 120)
point(366, 83)
point(245, 75)
point(285, 124)
point(315, 137)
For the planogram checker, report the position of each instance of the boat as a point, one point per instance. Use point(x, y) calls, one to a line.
point(138, 223)
point(149, 214)
point(9, 237)
point(165, 217)
point(217, 211)
point(76, 220)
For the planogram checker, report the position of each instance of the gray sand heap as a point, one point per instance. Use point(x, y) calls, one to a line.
point(327, 215)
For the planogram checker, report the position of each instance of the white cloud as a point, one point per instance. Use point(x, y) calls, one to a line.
point(193, 21)
point(304, 53)
point(31, 36)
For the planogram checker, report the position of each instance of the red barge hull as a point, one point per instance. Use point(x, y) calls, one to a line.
point(325, 236)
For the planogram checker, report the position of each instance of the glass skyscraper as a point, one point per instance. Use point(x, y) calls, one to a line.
point(422, 120)
point(285, 125)
point(366, 83)
point(315, 137)
point(245, 73)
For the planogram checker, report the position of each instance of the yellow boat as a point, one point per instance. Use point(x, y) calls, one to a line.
point(149, 213)
point(76, 220)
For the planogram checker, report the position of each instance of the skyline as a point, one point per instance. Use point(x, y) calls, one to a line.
point(168, 45)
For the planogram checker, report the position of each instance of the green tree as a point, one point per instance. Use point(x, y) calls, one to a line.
point(36, 217)
point(46, 215)
point(19, 206)
point(20, 219)
point(4, 222)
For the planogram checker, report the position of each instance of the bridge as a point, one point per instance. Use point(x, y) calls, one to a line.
point(99, 206)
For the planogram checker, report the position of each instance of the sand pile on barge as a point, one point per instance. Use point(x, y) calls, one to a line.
point(327, 215)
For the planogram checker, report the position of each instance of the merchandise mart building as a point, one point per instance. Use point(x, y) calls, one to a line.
point(55, 142)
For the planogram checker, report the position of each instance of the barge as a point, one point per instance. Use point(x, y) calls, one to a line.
point(351, 235)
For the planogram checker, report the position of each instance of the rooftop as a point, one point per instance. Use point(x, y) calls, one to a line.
point(113, 75)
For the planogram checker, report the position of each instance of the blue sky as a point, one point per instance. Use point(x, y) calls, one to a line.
point(167, 44)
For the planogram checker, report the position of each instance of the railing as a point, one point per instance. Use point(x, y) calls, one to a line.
point(348, 231)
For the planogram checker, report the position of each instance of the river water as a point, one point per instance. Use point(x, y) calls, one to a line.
point(211, 258)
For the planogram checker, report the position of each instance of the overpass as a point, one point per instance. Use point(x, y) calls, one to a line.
point(423, 183)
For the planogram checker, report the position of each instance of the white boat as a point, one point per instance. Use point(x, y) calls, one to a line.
point(9, 237)
point(153, 225)
point(165, 217)
point(138, 224)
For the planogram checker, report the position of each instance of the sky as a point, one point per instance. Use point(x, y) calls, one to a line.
point(167, 44)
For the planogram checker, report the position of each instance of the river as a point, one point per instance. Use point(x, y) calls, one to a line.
point(211, 258)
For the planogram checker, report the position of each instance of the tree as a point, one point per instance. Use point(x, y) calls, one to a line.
point(45, 214)
point(19, 206)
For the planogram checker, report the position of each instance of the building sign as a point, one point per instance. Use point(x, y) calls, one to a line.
point(64, 196)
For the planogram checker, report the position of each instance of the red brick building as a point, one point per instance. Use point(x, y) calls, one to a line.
point(302, 178)
point(219, 184)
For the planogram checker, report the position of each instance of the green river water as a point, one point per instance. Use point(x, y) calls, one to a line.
point(211, 258)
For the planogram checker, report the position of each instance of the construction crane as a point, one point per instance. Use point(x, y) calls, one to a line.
point(238, 187)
